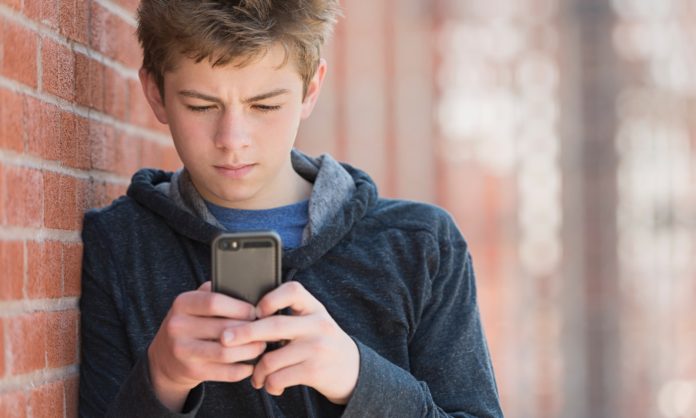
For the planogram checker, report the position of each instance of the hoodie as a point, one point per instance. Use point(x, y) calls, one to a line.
point(396, 276)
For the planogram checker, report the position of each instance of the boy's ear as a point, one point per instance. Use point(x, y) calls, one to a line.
point(313, 89)
point(152, 94)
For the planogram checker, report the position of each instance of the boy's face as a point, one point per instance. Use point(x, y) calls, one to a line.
point(234, 127)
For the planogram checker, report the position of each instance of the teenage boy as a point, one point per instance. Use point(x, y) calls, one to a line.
point(383, 318)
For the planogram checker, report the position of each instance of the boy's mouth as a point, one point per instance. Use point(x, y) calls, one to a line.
point(234, 171)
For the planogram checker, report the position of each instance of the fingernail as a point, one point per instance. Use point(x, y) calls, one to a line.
point(227, 337)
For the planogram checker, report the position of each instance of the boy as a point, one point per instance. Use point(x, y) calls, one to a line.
point(383, 317)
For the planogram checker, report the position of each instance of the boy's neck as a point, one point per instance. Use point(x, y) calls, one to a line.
point(303, 190)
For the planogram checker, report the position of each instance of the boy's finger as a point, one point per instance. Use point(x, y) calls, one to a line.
point(214, 304)
point(277, 382)
point(272, 328)
point(289, 295)
point(227, 372)
point(206, 287)
point(200, 327)
point(213, 352)
point(281, 358)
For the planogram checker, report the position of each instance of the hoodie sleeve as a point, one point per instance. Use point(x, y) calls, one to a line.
point(450, 374)
point(113, 382)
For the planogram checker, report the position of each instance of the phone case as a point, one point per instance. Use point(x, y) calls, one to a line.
point(246, 265)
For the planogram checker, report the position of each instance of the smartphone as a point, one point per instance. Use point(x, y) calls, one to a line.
point(246, 265)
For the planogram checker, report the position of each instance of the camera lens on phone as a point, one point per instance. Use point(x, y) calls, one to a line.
point(229, 245)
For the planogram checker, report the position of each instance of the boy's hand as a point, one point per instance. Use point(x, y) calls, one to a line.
point(318, 354)
point(187, 350)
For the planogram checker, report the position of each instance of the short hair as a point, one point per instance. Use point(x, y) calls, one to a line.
point(233, 31)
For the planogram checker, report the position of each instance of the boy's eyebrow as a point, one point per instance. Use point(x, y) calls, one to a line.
point(196, 95)
point(259, 97)
point(262, 96)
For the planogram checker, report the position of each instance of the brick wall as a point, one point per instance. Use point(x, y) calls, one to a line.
point(73, 127)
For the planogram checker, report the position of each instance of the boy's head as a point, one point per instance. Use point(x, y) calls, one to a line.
point(233, 80)
point(233, 31)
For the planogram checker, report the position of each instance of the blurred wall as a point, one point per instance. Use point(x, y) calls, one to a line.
point(377, 104)
point(575, 119)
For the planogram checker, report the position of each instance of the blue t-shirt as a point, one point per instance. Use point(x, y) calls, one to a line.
point(288, 221)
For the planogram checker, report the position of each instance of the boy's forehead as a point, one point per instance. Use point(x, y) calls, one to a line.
point(271, 59)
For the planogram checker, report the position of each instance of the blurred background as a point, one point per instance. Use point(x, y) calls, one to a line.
point(559, 133)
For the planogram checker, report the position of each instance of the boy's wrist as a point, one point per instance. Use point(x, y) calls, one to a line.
point(171, 394)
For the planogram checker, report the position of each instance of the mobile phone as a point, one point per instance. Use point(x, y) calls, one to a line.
point(246, 265)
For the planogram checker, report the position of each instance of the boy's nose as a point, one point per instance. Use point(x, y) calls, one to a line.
point(232, 131)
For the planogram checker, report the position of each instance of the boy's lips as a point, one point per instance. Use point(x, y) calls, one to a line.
point(234, 171)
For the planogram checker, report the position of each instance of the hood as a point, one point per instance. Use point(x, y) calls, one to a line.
point(341, 196)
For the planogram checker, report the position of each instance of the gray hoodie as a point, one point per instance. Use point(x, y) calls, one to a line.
point(395, 275)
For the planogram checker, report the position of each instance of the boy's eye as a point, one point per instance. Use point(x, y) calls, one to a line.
point(200, 108)
point(265, 108)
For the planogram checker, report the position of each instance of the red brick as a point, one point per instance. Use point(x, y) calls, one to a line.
point(46, 401)
point(24, 188)
point(71, 386)
point(82, 21)
point(13, 405)
point(74, 140)
point(128, 151)
point(84, 193)
point(11, 121)
point(42, 11)
point(3, 198)
point(114, 191)
point(44, 269)
point(61, 338)
point(139, 109)
point(159, 156)
point(151, 154)
point(89, 82)
point(82, 143)
point(19, 60)
point(98, 38)
point(72, 268)
point(130, 5)
point(102, 146)
point(58, 69)
point(2, 348)
point(115, 89)
point(73, 19)
point(60, 202)
point(171, 159)
point(99, 194)
point(42, 127)
point(113, 37)
point(12, 261)
point(15, 4)
point(27, 340)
